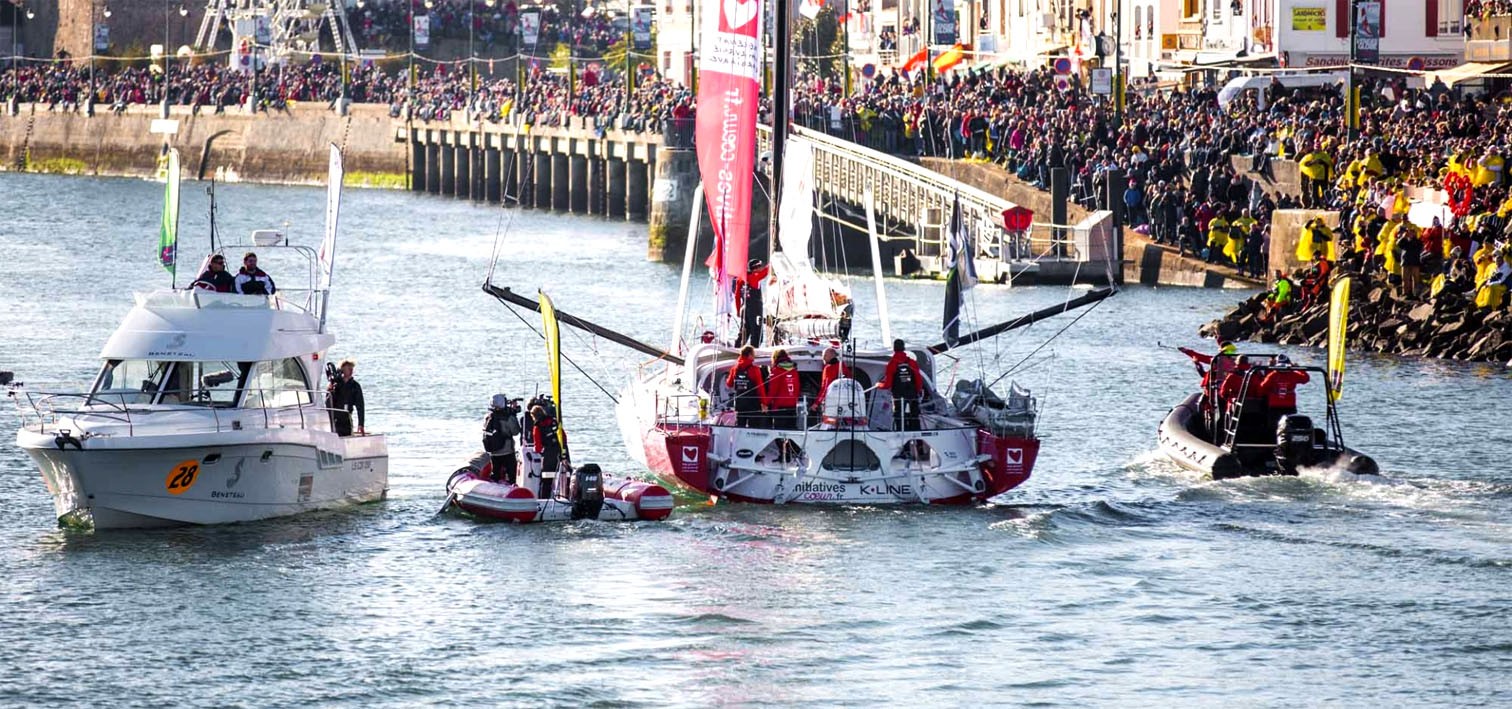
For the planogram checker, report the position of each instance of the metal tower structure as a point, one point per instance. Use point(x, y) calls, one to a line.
point(291, 25)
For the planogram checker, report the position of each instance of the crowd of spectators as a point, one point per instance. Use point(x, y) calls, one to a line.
point(1173, 147)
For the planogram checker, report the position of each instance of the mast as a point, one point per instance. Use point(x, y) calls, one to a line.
point(781, 108)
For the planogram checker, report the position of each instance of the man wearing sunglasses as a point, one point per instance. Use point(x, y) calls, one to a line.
point(216, 276)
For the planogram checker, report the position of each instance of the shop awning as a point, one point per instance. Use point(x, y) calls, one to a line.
point(1466, 72)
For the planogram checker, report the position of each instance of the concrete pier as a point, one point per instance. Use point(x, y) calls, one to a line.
point(616, 188)
point(463, 156)
point(560, 182)
point(577, 187)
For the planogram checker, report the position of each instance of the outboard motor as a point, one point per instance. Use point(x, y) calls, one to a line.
point(586, 491)
point(1294, 444)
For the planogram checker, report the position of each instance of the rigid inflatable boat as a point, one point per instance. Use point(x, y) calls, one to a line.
point(1244, 436)
point(583, 493)
point(555, 491)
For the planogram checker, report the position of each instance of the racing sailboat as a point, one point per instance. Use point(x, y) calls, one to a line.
point(677, 414)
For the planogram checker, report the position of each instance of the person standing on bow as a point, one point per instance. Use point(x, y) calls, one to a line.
point(499, 429)
point(744, 382)
point(346, 396)
point(783, 389)
point(903, 379)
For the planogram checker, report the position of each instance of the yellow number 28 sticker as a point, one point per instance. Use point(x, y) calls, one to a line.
point(182, 477)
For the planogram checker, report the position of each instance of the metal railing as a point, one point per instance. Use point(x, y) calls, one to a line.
point(677, 133)
point(117, 407)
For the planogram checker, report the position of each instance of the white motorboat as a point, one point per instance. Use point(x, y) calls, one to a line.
point(206, 410)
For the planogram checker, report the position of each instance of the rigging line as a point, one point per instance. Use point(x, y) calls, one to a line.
point(1044, 344)
point(542, 335)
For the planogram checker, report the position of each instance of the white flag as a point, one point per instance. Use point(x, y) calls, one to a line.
point(810, 8)
point(333, 209)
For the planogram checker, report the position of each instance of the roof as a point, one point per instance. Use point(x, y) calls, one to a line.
point(195, 325)
point(1467, 72)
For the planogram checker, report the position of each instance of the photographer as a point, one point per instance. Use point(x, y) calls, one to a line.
point(499, 429)
point(345, 395)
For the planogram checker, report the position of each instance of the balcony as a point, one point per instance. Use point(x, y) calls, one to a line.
point(1489, 38)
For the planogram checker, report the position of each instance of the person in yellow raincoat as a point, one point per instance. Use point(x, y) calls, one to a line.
point(1493, 290)
point(1485, 264)
point(1316, 236)
point(1317, 166)
point(1488, 169)
point(1218, 237)
point(1387, 242)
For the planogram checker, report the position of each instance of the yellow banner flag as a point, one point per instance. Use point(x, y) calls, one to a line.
point(553, 337)
point(1338, 324)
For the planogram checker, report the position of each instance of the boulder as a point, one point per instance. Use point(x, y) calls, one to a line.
point(1421, 312)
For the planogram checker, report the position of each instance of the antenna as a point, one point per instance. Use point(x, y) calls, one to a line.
point(211, 191)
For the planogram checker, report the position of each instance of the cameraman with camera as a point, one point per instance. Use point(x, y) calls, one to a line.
point(499, 429)
point(343, 395)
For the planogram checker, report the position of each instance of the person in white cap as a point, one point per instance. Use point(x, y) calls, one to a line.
point(499, 430)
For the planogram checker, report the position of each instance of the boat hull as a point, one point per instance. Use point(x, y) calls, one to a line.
point(111, 486)
point(1179, 440)
point(726, 462)
point(625, 499)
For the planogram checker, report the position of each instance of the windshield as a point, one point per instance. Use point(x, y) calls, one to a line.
point(139, 381)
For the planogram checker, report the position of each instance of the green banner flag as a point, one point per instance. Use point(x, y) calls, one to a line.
point(168, 232)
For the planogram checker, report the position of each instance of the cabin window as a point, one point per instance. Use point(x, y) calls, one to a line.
point(276, 384)
point(131, 381)
point(203, 383)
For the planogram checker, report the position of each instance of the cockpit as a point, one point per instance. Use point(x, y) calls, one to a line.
point(217, 384)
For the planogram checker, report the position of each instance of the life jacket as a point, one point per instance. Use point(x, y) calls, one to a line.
point(546, 434)
point(905, 378)
point(745, 385)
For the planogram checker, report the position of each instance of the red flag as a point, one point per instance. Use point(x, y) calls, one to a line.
point(729, 72)
point(916, 61)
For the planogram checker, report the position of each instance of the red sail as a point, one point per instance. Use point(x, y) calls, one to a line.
point(729, 75)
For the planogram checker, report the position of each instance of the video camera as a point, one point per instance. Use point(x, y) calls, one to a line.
point(333, 375)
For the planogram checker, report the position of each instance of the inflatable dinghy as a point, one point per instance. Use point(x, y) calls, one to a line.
point(583, 493)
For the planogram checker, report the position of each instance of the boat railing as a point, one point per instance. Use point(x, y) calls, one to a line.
point(681, 408)
point(46, 412)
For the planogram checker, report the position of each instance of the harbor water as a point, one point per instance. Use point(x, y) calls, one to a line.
point(1110, 578)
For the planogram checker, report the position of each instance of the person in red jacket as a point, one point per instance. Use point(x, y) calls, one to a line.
point(745, 385)
point(783, 388)
point(834, 369)
point(1280, 387)
point(544, 436)
point(906, 383)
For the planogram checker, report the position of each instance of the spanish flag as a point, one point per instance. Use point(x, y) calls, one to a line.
point(949, 58)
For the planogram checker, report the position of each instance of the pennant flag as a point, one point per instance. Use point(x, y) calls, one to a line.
point(962, 274)
point(335, 174)
point(729, 70)
point(1338, 324)
point(168, 230)
point(553, 336)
